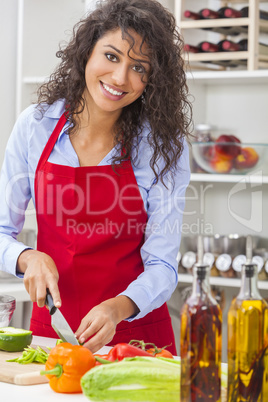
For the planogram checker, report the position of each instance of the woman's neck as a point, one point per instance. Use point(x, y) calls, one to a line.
point(97, 122)
point(93, 137)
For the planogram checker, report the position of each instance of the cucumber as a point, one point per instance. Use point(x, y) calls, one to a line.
point(14, 339)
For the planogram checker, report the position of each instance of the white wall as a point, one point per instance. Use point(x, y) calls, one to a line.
point(8, 38)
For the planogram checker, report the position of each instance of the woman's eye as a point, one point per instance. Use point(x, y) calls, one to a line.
point(111, 56)
point(139, 68)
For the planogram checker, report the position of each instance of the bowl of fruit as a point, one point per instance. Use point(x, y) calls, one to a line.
point(227, 155)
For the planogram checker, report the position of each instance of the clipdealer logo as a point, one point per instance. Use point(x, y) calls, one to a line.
point(253, 183)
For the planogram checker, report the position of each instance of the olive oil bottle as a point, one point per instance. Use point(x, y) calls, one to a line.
point(248, 339)
point(201, 343)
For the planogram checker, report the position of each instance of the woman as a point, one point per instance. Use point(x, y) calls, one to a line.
point(103, 156)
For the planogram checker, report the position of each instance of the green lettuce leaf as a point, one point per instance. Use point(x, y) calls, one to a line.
point(134, 379)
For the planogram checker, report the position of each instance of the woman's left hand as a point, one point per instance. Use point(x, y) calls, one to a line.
point(100, 323)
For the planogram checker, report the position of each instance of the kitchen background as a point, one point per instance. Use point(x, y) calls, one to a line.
point(229, 102)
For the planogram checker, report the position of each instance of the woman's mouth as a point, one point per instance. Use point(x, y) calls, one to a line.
point(112, 93)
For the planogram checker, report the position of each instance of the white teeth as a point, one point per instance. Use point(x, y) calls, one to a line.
point(112, 91)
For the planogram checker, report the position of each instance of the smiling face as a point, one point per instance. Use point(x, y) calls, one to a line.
point(114, 78)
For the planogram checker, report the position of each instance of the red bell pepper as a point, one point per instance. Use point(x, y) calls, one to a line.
point(122, 350)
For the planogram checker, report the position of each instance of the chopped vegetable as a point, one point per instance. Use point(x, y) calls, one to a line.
point(14, 339)
point(122, 350)
point(65, 366)
point(31, 355)
point(134, 379)
point(101, 359)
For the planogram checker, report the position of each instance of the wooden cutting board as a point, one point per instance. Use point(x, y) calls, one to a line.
point(20, 374)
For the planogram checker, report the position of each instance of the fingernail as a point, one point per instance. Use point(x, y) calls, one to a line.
point(82, 340)
point(58, 304)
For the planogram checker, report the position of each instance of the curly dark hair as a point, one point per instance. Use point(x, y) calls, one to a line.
point(164, 104)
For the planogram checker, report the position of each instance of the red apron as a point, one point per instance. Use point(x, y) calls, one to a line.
point(91, 222)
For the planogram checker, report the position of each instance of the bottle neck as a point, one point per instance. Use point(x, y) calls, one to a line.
point(249, 283)
point(201, 284)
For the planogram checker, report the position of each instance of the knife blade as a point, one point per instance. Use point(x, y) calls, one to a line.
point(59, 323)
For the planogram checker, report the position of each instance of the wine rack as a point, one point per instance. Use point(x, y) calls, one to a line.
point(251, 59)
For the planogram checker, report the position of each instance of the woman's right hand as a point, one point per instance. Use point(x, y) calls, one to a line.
point(40, 274)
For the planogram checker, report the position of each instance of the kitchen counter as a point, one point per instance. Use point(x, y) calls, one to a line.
point(40, 392)
point(36, 393)
point(43, 392)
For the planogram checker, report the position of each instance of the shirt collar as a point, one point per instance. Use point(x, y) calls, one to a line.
point(55, 110)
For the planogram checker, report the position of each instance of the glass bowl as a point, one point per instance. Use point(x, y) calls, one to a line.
point(7, 308)
point(229, 158)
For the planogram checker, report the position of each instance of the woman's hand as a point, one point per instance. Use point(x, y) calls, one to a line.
point(40, 274)
point(100, 323)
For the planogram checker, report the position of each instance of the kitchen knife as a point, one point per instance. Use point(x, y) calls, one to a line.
point(59, 323)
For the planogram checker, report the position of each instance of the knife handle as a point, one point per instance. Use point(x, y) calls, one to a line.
point(50, 303)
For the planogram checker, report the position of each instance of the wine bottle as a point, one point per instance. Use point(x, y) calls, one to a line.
point(222, 30)
point(192, 15)
point(243, 13)
point(207, 13)
point(205, 46)
point(201, 323)
point(242, 45)
point(212, 47)
point(248, 338)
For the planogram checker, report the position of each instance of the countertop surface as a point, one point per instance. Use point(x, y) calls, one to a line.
point(40, 392)
point(43, 392)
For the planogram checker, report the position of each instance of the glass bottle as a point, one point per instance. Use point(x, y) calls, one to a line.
point(248, 339)
point(201, 322)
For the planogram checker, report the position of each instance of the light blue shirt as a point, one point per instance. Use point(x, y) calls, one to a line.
point(164, 206)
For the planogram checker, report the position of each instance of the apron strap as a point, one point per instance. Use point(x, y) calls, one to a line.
point(48, 149)
point(51, 142)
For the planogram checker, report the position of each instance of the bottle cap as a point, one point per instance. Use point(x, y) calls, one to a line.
point(223, 262)
point(249, 269)
point(226, 45)
point(257, 260)
point(209, 259)
point(188, 259)
point(238, 261)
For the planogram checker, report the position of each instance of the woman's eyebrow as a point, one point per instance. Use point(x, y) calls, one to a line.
point(117, 50)
point(122, 54)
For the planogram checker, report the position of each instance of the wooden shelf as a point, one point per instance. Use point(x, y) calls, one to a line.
point(230, 22)
point(229, 77)
point(228, 178)
point(219, 281)
point(217, 56)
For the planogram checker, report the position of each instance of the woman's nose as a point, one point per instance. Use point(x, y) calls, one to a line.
point(120, 75)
